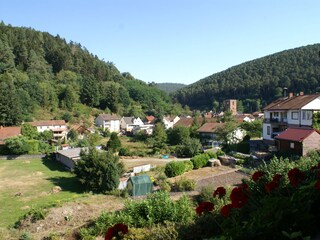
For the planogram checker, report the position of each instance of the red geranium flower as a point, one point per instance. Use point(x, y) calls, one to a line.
point(243, 186)
point(220, 191)
point(317, 185)
point(276, 178)
point(225, 210)
point(204, 207)
point(257, 175)
point(238, 197)
point(271, 186)
point(114, 231)
point(295, 177)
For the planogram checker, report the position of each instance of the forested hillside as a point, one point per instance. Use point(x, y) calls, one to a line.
point(257, 82)
point(42, 76)
point(170, 87)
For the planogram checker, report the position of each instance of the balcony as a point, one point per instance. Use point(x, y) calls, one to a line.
point(275, 120)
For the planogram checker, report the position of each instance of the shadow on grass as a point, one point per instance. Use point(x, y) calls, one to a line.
point(69, 184)
point(50, 162)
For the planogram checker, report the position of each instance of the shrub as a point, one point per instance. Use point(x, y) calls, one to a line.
point(165, 186)
point(124, 152)
point(243, 147)
point(188, 165)
point(184, 184)
point(174, 168)
point(200, 161)
point(211, 154)
point(220, 153)
point(159, 231)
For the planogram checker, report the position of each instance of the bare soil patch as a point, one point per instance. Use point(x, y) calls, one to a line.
point(64, 220)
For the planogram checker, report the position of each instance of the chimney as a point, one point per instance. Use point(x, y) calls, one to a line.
point(301, 93)
point(284, 92)
point(290, 95)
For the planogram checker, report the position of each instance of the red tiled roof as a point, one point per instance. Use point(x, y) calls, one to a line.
point(294, 103)
point(7, 132)
point(150, 118)
point(209, 127)
point(48, 123)
point(295, 134)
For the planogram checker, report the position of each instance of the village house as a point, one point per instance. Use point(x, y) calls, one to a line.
point(68, 157)
point(108, 121)
point(169, 121)
point(188, 122)
point(8, 132)
point(58, 127)
point(149, 119)
point(240, 118)
point(145, 128)
point(208, 134)
point(298, 141)
point(81, 130)
point(127, 124)
point(289, 111)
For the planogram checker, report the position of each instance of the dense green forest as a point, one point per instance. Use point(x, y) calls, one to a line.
point(170, 87)
point(257, 82)
point(43, 76)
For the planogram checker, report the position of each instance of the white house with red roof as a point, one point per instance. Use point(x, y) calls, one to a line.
point(58, 127)
point(291, 111)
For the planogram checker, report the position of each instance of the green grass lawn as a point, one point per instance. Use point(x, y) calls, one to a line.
point(34, 179)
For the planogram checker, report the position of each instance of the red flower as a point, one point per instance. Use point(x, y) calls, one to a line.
point(238, 197)
point(317, 185)
point(276, 178)
point(220, 191)
point(114, 231)
point(225, 210)
point(257, 175)
point(271, 186)
point(295, 177)
point(204, 207)
point(243, 186)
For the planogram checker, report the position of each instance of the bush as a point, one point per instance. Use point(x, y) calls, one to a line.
point(188, 165)
point(243, 147)
point(184, 184)
point(211, 154)
point(220, 153)
point(165, 186)
point(174, 168)
point(124, 152)
point(200, 161)
point(159, 231)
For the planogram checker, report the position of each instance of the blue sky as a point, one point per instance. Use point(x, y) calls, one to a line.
point(178, 41)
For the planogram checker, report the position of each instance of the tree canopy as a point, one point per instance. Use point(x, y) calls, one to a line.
point(41, 71)
point(257, 82)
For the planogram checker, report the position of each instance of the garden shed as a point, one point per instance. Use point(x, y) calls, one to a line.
point(140, 185)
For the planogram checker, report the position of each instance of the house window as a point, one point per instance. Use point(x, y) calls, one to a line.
point(306, 115)
point(268, 130)
point(292, 145)
point(294, 115)
point(276, 114)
